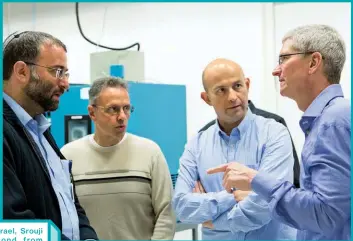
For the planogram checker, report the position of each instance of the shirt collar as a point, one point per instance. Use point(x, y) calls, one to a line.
point(43, 123)
point(240, 129)
point(318, 105)
point(24, 117)
point(320, 102)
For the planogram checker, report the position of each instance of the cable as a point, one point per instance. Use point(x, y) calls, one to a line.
point(102, 46)
point(103, 27)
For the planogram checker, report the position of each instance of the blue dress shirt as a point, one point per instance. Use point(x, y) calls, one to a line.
point(58, 169)
point(321, 209)
point(259, 143)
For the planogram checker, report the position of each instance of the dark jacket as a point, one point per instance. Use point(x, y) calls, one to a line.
point(28, 192)
point(296, 167)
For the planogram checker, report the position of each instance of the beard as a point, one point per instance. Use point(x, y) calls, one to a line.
point(42, 92)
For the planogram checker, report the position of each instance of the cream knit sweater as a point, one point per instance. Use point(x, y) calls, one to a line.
point(126, 189)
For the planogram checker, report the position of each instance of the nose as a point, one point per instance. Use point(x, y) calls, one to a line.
point(64, 83)
point(277, 71)
point(232, 95)
point(121, 116)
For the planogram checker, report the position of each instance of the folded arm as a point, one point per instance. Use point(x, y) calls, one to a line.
point(253, 212)
point(196, 208)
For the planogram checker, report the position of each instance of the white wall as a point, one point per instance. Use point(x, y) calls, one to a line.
point(179, 39)
point(290, 15)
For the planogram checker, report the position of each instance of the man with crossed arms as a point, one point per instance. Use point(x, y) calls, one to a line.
point(238, 134)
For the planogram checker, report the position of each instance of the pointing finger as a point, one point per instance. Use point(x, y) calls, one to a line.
point(221, 168)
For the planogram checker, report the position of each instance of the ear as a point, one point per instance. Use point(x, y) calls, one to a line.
point(316, 61)
point(247, 83)
point(91, 112)
point(21, 71)
point(205, 98)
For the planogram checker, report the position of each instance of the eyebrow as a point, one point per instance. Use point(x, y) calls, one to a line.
point(220, 86)
point(59, 66)
point(237, 81)
point(124, 104)
point(217, 87)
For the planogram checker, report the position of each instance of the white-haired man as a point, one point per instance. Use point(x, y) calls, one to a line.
point(309, 70)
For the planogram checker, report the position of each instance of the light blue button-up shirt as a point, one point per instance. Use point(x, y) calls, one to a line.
point(321, 210)
point(58, 169)
point(259, 143)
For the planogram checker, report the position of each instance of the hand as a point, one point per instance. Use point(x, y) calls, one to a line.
point(236, 175)
point(240, 195)
point(208, 224)
point(198, 188)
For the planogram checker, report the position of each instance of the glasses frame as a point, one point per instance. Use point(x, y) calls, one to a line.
point(59, 72)
point(280, 61)
point(104, 108)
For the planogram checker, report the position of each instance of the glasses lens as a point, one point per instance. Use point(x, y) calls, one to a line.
point(60, 74)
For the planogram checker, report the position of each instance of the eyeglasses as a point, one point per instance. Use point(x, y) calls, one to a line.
point(59, 72)
point(283, 57)
point(115, 110)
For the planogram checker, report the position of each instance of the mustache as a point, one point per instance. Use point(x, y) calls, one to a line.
point(61, 90)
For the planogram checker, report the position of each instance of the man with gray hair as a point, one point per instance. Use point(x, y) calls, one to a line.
point(122, 180)
point(37, 180)
point(309, 70)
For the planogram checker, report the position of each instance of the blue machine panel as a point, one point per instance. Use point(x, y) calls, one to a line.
point(160, 115)
point(71, 104)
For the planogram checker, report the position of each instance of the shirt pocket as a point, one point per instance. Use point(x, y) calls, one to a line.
point(249, 159)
